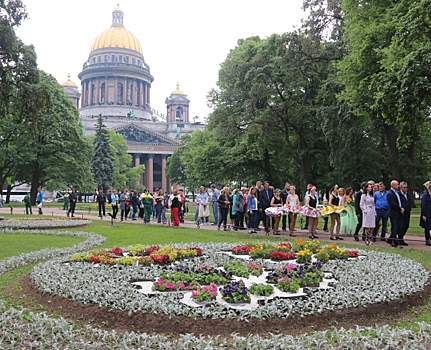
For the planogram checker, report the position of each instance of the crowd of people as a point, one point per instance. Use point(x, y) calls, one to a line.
point(136, 205)
point(368, 210)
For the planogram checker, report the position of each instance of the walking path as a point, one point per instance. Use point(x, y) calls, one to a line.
point(414, 242)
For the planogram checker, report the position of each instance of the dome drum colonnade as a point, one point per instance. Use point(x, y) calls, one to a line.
point(116, 74)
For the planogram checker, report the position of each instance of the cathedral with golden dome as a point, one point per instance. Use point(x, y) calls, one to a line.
point(116, 83)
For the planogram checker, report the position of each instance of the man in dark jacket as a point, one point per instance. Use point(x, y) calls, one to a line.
point(265, 196)
point(358, 212)
point(73, 199)
point(101, 200)
point(395, 213)
point(405, 217)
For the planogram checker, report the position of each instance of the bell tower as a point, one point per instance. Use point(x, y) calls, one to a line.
point(177, 107)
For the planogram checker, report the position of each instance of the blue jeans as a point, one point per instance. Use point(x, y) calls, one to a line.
point(384, 215)
point(134, 211)
point(196, 214)
point(252, 219)
point(215, 212)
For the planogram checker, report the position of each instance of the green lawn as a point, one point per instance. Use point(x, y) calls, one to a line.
point(15, 244)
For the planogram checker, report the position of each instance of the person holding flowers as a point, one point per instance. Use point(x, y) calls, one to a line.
point(349, 221)
point(292, 201)
point(334, 201)
point(311, 203)
point(277, 202)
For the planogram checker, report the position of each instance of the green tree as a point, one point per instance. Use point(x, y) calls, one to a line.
point(102, 162)
point(55, 152)
point(17, 61)
point(125, 173)
point(274, 83)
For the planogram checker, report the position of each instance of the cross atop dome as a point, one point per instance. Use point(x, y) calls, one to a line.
point(117, 16)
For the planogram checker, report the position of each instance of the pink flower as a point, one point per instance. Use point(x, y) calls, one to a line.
point(160, 282)
point(195, 293)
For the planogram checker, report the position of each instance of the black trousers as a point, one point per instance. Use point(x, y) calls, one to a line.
point(283, 222)
point(72, 207)
point(102, 208)
point(223, 217)
point(405, 224)
point(395, 229)
point(114, 211)
point(358, 226)
point(238, 219)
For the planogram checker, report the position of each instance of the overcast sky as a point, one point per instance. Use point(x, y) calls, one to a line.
point(183, 41)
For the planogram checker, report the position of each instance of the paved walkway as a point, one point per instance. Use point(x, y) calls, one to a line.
point(414, 242)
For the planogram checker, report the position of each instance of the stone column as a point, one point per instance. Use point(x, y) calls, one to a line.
point(148, 93)
point(98, 91)
point(91, 92)
point(145, 94)
point(86, 93)
point(115, 91)
point(137, 159)
point(106, 91)
point(164, 156)
point(125, 91)
point(141, 87)
point(145, 175)
point(82, 94)
point(151, 172)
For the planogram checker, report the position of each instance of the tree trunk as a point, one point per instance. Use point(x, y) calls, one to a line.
point(8, 191)
point(35, 182)
point(411, 173)
point(391, 137)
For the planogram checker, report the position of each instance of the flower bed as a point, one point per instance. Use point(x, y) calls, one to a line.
point(19, 325)
point(137, 254)
point(41, 223)
point(358, 283)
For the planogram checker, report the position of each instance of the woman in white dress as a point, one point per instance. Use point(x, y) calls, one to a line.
point(293, 201)
point(368, 212)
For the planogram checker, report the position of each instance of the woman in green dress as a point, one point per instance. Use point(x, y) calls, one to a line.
point(349, 221)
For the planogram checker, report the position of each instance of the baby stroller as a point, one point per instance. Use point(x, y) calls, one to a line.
point(182, 212)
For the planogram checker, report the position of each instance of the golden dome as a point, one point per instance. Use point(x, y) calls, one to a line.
point(117, 36)
point(177, 91)
point(69, 82)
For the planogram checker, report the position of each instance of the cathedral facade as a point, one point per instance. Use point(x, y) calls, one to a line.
point(116, 83)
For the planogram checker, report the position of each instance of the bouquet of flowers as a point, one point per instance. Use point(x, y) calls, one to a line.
point(274, 211)
point(311, 212)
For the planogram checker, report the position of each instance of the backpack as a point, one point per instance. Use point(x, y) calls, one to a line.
point(239, 203)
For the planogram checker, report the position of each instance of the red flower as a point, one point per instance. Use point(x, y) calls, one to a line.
point(352, 253)
point(160, 258)
point(198, 250)
point(152, 249)
point(241, 249)
point(276, 255)
point(94, 259)
point(117, 251)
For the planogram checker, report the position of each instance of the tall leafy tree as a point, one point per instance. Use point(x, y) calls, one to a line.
point(17, 61)
point(274, 83)
point(102, 162)
point(125, 173)
point(55, 152)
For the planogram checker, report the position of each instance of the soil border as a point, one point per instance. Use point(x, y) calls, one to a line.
point(118, 320)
